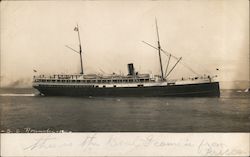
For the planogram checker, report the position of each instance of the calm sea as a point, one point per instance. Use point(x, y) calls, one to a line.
point(23, 111)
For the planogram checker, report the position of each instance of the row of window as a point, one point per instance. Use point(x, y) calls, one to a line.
point(89, 86)
point(62, 86)
point(92, 81)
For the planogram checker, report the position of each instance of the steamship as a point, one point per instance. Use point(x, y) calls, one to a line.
point(133, 84)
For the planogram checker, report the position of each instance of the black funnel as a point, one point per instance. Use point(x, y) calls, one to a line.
point(131, 70)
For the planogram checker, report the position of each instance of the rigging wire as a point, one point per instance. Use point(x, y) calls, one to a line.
point(169, 54)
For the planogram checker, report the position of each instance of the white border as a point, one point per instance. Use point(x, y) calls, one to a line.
point(125, 144)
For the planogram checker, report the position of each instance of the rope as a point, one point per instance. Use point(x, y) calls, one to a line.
point(168, 54)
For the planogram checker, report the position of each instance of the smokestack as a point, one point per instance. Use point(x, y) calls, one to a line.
point(131, 70)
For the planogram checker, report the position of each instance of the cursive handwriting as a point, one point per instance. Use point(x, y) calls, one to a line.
point(216, 149)
point(147, 141)
point(40, 143)
point(90, 142)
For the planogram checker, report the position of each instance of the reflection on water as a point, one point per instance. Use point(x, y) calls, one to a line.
point(22, 109)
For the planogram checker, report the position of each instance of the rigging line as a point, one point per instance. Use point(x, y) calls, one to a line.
point(168, 54)
point(71, 48)
point(167, 64)
point(173, 67)
point(188, 67)
point(102, 71)
point(207, 71)
point(185, 65)
point(165, 52)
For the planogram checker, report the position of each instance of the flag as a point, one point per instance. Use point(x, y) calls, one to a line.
point(34, 70)
point(76, 29)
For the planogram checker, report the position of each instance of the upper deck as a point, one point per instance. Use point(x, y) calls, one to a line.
point(93, 78)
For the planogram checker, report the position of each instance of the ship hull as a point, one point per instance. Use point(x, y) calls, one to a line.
point(188, 90)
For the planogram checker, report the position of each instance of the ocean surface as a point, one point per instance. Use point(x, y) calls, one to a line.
point(22, 110)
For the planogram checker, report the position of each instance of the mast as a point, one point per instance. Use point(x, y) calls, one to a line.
point(159, 49)
point(80, 47)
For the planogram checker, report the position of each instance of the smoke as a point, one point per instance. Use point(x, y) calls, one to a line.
point(20, 83)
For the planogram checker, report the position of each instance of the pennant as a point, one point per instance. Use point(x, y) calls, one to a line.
point(76, 29)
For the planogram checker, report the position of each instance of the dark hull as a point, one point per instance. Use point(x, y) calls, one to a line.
point(189, 90)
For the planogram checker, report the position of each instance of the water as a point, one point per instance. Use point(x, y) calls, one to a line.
point(23, 111)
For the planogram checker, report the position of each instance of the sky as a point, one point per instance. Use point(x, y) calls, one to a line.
point(207, 35)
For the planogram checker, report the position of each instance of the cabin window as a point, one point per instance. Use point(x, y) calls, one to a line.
point(104, 86)
point(114, 85)
point(99, 81)
point(96, 86)
point(130, 80)
point(115, 81)
point(73, 81)
point(140, 85)
point(78, 81)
